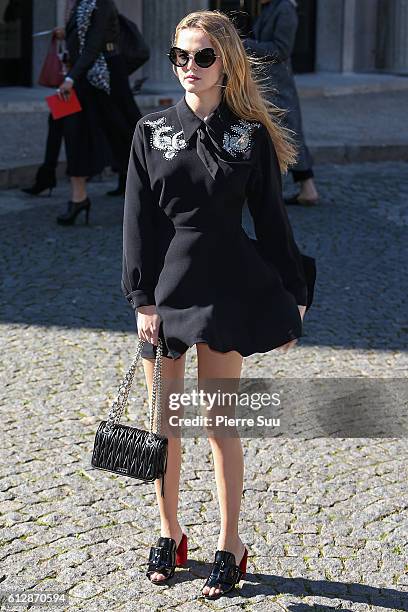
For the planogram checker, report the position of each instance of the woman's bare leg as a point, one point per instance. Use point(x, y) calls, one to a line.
point(227, 452)
point(78, 188)
point(172, 382)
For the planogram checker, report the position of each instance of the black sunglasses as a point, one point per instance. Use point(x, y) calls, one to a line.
point(204, 58)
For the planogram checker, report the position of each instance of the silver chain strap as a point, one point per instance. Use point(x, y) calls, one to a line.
point(119, 404)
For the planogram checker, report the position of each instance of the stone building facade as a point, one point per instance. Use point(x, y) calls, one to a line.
point(342, 36)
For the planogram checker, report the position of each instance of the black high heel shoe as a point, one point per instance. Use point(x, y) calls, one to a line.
point(164, 557)
point(73, 210)
point(225, 574)
point(44, 179)
point(120, 189)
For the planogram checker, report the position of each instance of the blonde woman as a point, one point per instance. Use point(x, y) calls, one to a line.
point(190, 271)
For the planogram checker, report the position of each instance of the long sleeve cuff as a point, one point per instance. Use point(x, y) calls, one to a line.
point(138, 297)
point(141, 298)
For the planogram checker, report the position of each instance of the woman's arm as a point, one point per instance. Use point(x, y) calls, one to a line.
point(95, 39)
point(280, 46)
point(271, 222)
point(139, 229)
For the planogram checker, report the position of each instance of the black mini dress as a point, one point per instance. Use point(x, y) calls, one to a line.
point(184, 247)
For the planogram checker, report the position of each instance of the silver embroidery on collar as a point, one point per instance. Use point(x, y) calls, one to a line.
point(240, 141)
point(160, 140)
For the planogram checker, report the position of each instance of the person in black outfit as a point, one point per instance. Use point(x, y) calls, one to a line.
point(273, 39)
point(192, 274)
point(45, 177)
point(46, 174)
point(98, 74)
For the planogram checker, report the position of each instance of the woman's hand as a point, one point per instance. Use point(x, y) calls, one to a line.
point(59, 33)
point(148, 323)
point(64, 90)
point(285, 347)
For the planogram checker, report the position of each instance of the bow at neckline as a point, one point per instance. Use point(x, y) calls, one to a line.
point(210, 134)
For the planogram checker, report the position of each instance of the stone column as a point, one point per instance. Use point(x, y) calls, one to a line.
point(329, 36)
point(395, 37)
point(159, 21)
point(349, 35)
point(365, 36)
point(346, 35)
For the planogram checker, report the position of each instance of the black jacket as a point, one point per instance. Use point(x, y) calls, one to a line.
point(274, 32)
point(104, 28)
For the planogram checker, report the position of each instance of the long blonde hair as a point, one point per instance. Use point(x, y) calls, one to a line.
point(244, 89)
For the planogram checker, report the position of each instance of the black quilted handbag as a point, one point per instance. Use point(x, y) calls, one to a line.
point(130, 451)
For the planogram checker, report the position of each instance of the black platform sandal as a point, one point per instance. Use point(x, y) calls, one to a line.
point(225, 574)
point(164, 557)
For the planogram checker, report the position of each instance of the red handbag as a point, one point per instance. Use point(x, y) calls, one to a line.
point(53, 71)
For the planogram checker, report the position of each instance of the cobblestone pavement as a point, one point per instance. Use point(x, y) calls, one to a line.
point(325, 520)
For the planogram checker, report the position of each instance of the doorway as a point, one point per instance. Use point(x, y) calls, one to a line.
point(16, 19)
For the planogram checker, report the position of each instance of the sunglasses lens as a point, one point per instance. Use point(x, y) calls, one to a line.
point(178, 57)
point(205, 58)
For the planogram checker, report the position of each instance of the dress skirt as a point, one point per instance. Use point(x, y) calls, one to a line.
point(85, 144)
point(208, 292)
point(101, 135)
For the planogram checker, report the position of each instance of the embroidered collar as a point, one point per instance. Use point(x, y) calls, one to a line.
point(217, 121)
point(218, 142)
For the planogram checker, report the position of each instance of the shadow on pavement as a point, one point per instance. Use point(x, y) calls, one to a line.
point(70, 276)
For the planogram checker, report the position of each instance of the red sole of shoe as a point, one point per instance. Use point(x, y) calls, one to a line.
point(243, 563)
point(181, 553)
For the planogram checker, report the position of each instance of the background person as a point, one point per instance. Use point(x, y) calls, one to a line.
point(98, 73)
point(274, 33)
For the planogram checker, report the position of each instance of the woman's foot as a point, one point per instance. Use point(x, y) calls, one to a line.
point(236, 547)
point(296, 200)
point(45, 179)
point(121, 188)
point(307, 195)
point(308, 190)
point(176, 535)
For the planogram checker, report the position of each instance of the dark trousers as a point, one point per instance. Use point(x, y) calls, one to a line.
point(301, 175)
point(54, 142)
point(84, 142)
